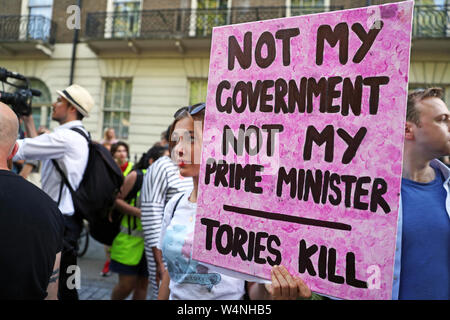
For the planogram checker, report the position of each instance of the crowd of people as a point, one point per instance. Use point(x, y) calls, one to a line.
point(158, 201)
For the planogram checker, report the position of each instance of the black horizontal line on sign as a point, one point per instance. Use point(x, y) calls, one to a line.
point(288, 218)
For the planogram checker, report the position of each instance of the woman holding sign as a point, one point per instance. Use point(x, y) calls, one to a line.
point(189, 279)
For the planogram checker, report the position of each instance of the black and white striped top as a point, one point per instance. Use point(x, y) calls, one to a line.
point(161, 182)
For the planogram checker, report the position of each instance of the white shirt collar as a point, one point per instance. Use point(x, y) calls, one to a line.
point(435, 163)
point(70, 124)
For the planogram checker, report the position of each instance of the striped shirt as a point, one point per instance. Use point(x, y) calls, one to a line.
point(161, 182)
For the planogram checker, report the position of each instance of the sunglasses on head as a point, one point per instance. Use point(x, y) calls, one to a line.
point(192, 110)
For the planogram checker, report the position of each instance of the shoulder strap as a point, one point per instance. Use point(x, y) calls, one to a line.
point(77, 129)
point(139, 179)
point(137, 185)
point(176, 205)
point(64, 180)
point(58, 168)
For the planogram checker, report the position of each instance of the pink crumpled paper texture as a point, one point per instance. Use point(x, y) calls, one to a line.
point(372, 238)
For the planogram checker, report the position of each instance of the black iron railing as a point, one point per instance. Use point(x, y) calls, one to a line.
point(181, 23)
point(27, 28)
point(431, 21)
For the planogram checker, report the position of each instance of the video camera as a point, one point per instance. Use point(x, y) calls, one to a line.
point(20, 101)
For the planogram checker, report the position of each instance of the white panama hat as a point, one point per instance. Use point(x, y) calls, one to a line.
point(79, 97)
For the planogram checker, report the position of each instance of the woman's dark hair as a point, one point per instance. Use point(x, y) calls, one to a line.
point(167, 133)
point(154, 153)
point(116, 146)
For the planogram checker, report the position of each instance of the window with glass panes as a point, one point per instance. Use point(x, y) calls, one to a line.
point(127, 18)
point(42, 105)
point(39, 27)
point(431, 19)
point(206, 17)
point(197, 90)
point(302, 7)
point(116, 106)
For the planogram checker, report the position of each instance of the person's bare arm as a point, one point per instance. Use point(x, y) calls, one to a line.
point(30, 128)
point(160, 268)
point(52, 288)
point(128, 184)
point(26, 170)
point(164, 290)
point(127, 209)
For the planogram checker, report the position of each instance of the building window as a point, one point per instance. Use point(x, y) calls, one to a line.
point(309, 3)
point(41, 106)
point(431, 19)
point(116, 107)
point(208, 14)
point(127, 18)
point(432, 2)
point(197, 90)
point(40, 15)
point(303, 7)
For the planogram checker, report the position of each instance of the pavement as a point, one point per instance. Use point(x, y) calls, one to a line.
point(92, 285)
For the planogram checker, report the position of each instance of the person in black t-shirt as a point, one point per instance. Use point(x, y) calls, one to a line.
point(31, 228)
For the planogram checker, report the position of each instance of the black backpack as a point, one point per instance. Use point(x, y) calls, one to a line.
point(137, 185)
point(98, 189)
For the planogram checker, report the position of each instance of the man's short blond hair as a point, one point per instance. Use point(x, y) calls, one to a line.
point(412, 114)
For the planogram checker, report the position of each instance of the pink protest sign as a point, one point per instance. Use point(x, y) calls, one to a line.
point(302, 151)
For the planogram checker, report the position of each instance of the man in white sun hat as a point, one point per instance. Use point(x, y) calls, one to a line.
point(70, 150)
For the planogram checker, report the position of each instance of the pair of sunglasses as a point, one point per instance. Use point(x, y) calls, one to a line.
point(192, 110)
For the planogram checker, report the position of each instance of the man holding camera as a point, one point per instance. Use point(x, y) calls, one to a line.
point(70, 150)
point(32, 227)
